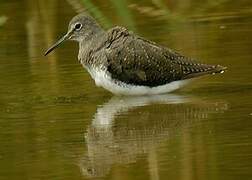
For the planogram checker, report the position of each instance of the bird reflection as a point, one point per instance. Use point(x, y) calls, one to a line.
point(127, 127)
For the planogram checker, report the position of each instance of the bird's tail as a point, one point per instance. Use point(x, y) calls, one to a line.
point(209, 70)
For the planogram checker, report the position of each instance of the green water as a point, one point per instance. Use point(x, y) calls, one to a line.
point(56, 124)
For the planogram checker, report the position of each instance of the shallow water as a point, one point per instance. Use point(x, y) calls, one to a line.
point(56, 124)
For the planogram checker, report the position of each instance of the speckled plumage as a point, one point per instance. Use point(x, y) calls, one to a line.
point(130, 60)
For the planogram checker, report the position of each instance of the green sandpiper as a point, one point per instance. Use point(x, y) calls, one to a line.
point(125, 63)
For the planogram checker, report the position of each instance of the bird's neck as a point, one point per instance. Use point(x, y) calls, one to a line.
point(89, 46)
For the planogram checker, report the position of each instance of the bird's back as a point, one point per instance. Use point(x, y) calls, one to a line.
point(134, 60)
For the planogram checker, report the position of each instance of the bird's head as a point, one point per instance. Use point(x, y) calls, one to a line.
point(81, 28)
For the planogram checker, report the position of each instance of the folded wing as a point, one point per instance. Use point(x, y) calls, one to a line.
point(134, 60)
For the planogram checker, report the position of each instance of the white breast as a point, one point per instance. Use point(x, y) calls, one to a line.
point(103, 79)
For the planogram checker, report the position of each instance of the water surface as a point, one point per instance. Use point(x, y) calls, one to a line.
point(56, 124)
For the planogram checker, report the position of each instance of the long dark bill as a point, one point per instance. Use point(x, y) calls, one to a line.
point(60, 41)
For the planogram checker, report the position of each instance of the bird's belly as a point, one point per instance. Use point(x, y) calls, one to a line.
point(104, 79)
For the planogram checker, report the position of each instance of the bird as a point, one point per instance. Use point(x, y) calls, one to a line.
point(125, 63)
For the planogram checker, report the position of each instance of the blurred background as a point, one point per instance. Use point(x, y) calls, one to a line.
point(56, 124)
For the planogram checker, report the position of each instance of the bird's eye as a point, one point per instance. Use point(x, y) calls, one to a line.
point(77, 26)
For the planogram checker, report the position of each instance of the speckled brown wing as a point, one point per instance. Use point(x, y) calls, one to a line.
point(134, 60)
